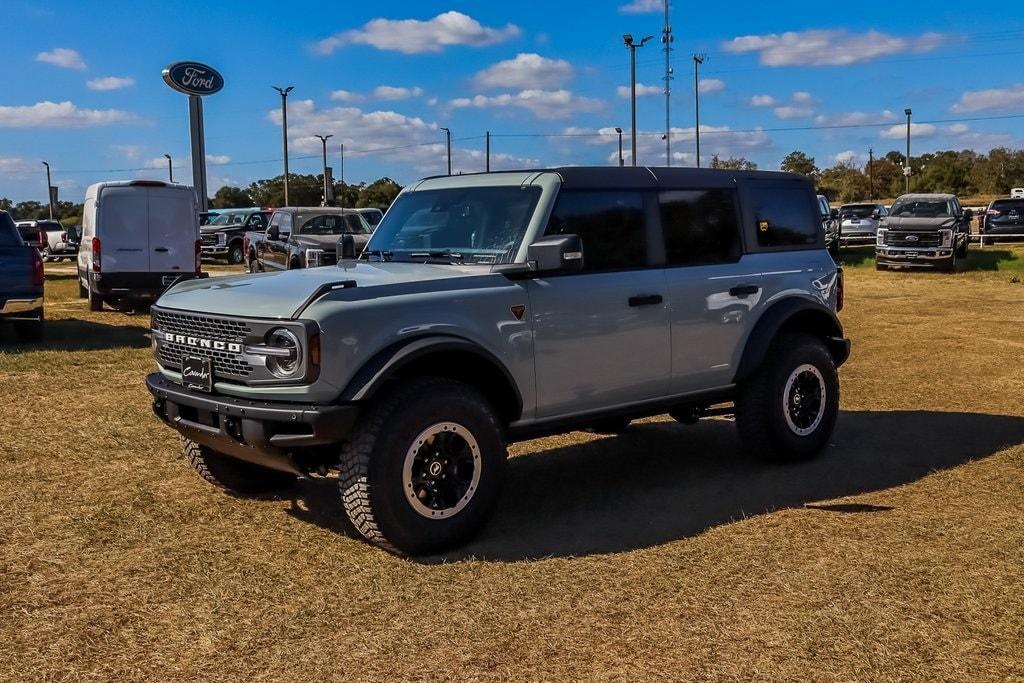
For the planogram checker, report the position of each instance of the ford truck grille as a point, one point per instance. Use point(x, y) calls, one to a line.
point(901, 238)
point(201, 328)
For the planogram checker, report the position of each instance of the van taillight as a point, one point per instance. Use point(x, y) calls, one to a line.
point(37, 269)
point(840, 290)
point(199, 257)
point(95, 254)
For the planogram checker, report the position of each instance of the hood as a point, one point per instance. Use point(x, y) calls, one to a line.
point(328, 242)
point(280, 294)
point(208, 229)
point(940, 223)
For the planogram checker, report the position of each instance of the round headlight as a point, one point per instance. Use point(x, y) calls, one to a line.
point(284, 365)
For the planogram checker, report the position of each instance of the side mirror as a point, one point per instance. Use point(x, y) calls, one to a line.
point(273, 233)
point(833, 214)
point(876, 214)
point(561, 253)
point(968, 214)
point(346, 248)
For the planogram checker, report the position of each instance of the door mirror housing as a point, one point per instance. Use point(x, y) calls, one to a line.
point(833, 214)
point(876, 214)
point(273, 233)
point(556, 254)
point(968, 214)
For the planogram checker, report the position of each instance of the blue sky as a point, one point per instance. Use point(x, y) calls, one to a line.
point(81, 85)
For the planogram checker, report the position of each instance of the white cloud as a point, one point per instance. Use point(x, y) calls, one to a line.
point(793, 112)
point(846, 157)
point(917, 130)
point(651, 146)
point(837, 47)
point(642, 90)
point(127, 151)
point(803, 97)
point(110, 83)
point(17, 167)
point(706, 86)
point(345, 96)
point(414, 36)
point(218, 159)
point(63, 57)
point(526, 70)
point(391, 93)
point(544, 104)
point(763, 101)
point(854, 118)
point(993, 99)
point(959, 129)
point(642, 7)
point(60, 115)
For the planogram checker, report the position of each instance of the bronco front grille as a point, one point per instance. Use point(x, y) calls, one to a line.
point(899, 238)
point(226, 364)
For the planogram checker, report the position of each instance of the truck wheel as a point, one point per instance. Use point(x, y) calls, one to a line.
point(962, 251)
point(235, 254)
point(787, 410)
point(423, 469)
point(949, 265)
point(95, 300)
point(30, 330)
point(233, 475)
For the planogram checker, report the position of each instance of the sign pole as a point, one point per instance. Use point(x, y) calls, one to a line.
point(195, 119)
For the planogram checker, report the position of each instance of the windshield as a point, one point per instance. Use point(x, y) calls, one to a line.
point(921, 208)
point(858, 210)
point(480, 225)
point(228, 219)
point(335, 224)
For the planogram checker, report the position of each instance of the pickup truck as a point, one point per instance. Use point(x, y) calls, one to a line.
point(223, 235)
point(21, 282)
point(299, 237)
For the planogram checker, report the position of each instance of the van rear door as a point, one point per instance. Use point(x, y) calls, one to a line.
point(173, 230)
point(122, 230)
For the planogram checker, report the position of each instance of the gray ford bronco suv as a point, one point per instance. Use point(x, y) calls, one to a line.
point(504, 306)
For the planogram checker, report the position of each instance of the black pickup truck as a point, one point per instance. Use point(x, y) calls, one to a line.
point(21, 282)
point(223, 236)
point(299, 237)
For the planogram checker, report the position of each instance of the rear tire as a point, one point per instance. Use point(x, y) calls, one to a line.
point(423, 469)
point(31, 330)
point(95, 300)
point(233, 475)
point(787, 410)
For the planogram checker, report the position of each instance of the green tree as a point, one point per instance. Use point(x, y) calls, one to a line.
point(798, 162)
point(886, 176)
point(733, 163)
point(229, 197)
point(303, 190)
point(843, 183)
point(378, 194)
point(347, 195)
point(30, 210)
point(6, 204)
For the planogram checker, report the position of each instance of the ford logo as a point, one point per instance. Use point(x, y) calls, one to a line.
point(193, 78)
point(912, 238)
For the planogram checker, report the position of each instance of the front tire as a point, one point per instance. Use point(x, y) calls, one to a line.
point(235, 254)
point(787, 410)
point(233, 475)
point(424, 468)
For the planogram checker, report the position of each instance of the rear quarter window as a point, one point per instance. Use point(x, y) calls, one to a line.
point(784, 217)
point(9, 236)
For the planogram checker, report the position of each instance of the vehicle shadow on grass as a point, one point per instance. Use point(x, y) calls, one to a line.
point(990, 259)
point(662, 482)
point(70, 334)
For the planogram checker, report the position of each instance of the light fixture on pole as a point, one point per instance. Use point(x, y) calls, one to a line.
point(631, 46)
point(323, 140)
point(49, 192)
point(284, 132)
point(622, 162)
point(907, 170)
point(697, 61)
point(170, 168)
point(448, 137)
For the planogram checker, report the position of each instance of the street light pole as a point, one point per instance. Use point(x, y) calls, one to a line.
point(49, 195)
point(284, 132)
point(667, 38)
point(697, 61)
point(622, 162)
point(871, 173)
point(343, 174)
point(323, 140)
point(631, 46)
point(170, 169)
point(448, 137)
point(907, 172)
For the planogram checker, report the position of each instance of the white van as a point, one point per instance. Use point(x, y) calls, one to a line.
point(1017, 193)
point(138, 238)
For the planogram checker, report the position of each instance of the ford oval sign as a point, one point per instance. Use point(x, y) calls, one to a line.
point(193, 78)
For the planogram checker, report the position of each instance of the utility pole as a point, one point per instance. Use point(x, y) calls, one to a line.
point(907, 171)
point(622, 162)
point(667, 39)
point(284, 132)
point(488, 151)
point(343, 168)
point(871, 173)
point(170, 168)
point(448, 138)
point(323, 141)
point(49, 192)
point(698, 59)
point(628, 39)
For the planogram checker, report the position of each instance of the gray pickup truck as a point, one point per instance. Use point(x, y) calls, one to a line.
point(299, 237)
point(924, 231)
point(505, 306)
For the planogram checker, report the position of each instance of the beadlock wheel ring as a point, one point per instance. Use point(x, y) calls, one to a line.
point(804, 399)
point(441, 470)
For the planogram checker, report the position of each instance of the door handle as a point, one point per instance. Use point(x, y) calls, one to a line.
point(162, 249)
point(744, 290)
point(645, 300)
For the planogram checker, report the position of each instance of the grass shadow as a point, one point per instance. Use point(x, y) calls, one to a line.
point(71, 334)
point(991, 259)
point(857, 257)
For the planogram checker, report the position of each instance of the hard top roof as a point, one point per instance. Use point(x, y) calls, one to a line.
point(639, 177)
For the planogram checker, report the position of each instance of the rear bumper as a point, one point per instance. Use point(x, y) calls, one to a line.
point(259, 432)
point(138, 286)
point(21, 306)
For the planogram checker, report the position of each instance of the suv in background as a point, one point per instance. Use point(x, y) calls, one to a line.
point(504, 306)
point(308, 237)
point(830, 225)
point(1003, 217)
point(223, 236)
point(924, 231)
point(860, 221)
point(372, 216)
point(21, 282)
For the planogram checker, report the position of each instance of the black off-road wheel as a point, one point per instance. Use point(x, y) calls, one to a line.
point(232, 475)
point(31, 330)
point(423, 469)
point(787, 410)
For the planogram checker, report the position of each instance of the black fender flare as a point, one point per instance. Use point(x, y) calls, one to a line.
point(796, 314)
point(388, 362)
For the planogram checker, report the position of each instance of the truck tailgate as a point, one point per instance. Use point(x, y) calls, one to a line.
point(16, 272)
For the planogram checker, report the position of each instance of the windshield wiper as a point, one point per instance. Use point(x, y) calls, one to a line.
point(447, 255)
point(379, 253)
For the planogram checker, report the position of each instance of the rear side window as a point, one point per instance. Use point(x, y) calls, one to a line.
point(610, 223)
point(783, 217)
point(9, 236)
point(700, 226)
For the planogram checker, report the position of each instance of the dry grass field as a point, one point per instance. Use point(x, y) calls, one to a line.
point(663, 553)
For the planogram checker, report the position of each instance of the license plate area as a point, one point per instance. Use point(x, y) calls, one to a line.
point(169, 280)
point(197, 373)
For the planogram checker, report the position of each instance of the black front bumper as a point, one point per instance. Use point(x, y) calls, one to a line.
point(259, 432)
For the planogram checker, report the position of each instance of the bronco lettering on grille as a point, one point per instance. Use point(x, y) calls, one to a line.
point(201, 343)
